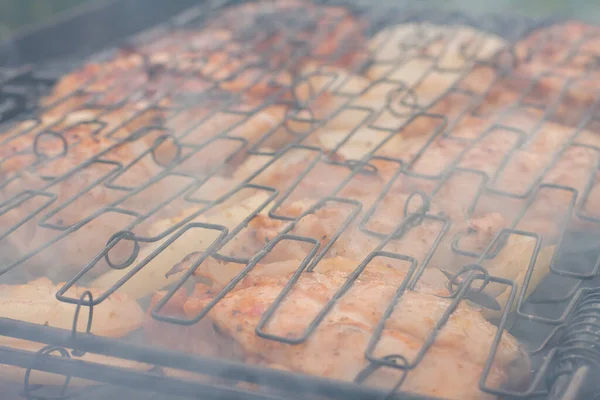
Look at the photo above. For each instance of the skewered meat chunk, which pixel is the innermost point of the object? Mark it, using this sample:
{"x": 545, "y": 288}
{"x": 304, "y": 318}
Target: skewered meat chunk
{"x": 336, "y": 349}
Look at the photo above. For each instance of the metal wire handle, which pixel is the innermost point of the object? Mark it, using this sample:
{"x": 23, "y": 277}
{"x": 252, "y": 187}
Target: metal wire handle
{"x": 29, "y": 389}
{"x": 402, "y": 97}
{"x": 577, "y": 358}
{"x": 372, "y": 368}
{"x": 88, "y": 329}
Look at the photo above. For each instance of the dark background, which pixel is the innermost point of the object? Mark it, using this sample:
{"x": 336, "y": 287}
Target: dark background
{"x": 18, "y": 13}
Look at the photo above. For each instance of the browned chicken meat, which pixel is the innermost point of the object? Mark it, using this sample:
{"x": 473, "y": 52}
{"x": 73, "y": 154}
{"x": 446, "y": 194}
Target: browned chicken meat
{"x": 128, "y": 78}
{"x": 413, "y": 68}
{"x": 450, "y": 368}
{"x": 494, "y": 156}
{"x": 553, "y": 68}
{"x": 63, "y": 175}
{"x": 278, "y": 130}
{"x": 36, "y": 302}
{"x": 326, "y": 34}
{"x": 513, "y": 152}
{"x": 243, "y": 49}
{"x": 198, "y": 98}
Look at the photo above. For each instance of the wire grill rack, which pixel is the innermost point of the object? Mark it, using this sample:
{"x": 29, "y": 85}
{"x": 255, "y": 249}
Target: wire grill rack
{"x": 137, "y": 108}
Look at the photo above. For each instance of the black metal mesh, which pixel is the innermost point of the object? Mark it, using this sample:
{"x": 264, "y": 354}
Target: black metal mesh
{"x": 134, "y": 112}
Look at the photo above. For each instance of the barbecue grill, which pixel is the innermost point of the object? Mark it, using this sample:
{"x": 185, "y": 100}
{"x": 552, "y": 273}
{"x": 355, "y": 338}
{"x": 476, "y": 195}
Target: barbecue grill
{"x": 559, "y": 323}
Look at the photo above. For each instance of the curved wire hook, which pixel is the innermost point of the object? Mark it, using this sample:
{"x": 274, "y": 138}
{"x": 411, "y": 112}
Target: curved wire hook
{"x": 36, "y": 143}
{"x": 398, "y": 359}
{"x": 88, "y": 329}
{"x": 28, "y": 388}
{"x": 159, "y": 141}
{"x": 112, "y": 242}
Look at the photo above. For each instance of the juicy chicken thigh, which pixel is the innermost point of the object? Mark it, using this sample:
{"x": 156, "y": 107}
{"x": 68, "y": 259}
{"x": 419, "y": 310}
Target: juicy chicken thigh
{"x": 336, "y": 349}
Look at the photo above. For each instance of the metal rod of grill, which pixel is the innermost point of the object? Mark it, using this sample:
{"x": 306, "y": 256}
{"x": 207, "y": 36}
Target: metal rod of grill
{"x": 151, "y": 138}
{"x": 577, "y": 359}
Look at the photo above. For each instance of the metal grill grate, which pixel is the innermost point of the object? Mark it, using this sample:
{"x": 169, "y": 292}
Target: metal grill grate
{"x": 144, "y": 149}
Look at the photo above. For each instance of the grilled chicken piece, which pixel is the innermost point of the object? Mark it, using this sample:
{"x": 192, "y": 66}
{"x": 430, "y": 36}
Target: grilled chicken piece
{"x": 129, "y": 77}
{"x": 318, "y": 176}
{"x": 520, "y": 151}
{"x": 202, "y": 60}
{"x": 427, "y": 60}
{"x": 516, "y": 152}
{"x": 334, "y": 228}
{"x": 244, "y": 49}
{"x": 454, "y": 46}
{"x": 95, "y": 160}
{"x": 73, "y": 139}
{"x": 494, "y": 154}
{"x": 554, "y": 67}
{"x": 478, "y": 221}
{"x": 35, "y": 302}
{"x": 95, "y": 78}
{"x": 237, "y": 43}
{"x": 167, "y": 266}
{"x": 218, "y": 57}
{"x": 428, "y": 239}
{"x": 336, "y": 101}
{"x": 336, "y": 349}
{"x": 558, "y": 46}
{"x": 290, "y": 33}
{"x": 73, "y": 181}
{"x": 178, "y": 68}
{"x": 412, "y": 67}
{"x": 223, "y": 134}
{"x": 455, "y": 194}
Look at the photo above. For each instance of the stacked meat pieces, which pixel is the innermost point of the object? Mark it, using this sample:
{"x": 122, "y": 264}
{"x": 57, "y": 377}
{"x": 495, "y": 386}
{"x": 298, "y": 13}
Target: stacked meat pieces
{"x": 194, "y": 98}
{"x": 316, "y": 185}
